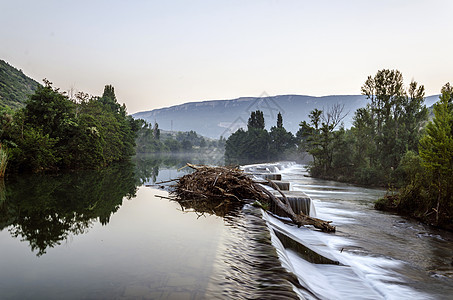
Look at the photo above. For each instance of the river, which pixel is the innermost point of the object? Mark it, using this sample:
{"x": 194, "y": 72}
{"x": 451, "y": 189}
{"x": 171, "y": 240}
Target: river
{"x": 396, "y": 257}
{"x": 110, "y": 235}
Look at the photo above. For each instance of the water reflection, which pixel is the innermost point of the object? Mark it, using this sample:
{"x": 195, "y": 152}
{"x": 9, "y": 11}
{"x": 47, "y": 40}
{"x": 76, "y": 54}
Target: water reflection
{"x": 152, "y": 168}
{"x": 45, "y": 210}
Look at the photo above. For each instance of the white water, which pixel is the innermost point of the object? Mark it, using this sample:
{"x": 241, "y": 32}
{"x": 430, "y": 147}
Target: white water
{"x": 364, "y": 272}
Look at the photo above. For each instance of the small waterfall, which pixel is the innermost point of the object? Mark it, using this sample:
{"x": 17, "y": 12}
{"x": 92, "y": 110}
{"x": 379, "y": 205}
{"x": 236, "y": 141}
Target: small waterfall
{"x": 299, "y": 202}
{"x": 312, "y": 210}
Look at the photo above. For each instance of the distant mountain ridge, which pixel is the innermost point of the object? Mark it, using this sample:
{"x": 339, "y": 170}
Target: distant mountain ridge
{"x": 215, "y": 118}
{"x": 15, "y": 86}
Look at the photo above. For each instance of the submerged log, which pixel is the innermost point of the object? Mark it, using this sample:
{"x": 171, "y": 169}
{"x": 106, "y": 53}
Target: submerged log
{"x": 212, "y": 188}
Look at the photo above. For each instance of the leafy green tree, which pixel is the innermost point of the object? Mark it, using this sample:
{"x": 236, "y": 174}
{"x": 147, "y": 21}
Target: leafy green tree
{"x": 173, "y": 145}
{"x": 257, "y": 147}
{"x": 186, "y": 145}
{"x": 389, "y": 126}
{"x": 256, "y": 120}
{"x": 279, "y": 120}
{"x": 318, "y": 138}
{"x": 156, "y": 131}
{"x": 235, "y": 146}
{"x": 436, "y": 151}
{"x": 54, "y": 132}
{"x": 35, "y": 151}
{"x": 109, "y": 99}
{"x": 50, "y": 111}
{"x": 257, "y": 144}
{"x": 282, "y": 142}
{"x": 426, "y": 179}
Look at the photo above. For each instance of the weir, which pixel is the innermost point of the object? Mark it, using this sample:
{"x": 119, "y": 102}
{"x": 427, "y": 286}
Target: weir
{"x": 299, "y": 201}
{"x": 321, "y": 274}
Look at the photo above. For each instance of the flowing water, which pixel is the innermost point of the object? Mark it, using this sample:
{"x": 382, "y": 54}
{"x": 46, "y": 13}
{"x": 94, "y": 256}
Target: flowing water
{"x": 381, "y": 255}
{"x": 110, "y": 235}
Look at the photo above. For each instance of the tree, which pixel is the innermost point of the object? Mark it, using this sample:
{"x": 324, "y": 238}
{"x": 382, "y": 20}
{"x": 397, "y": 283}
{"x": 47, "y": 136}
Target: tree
{"x": 256, "y": 120}
{"x": 427, "y": 190}
{"x": 54, "y": 132}
{"x": 282, "y": 142}
{"x": 318, "y": 137}
{"x": 109, "y": 99}
{"x": 50, "y": 110}
{"x": 390, "y": 125}
{"x": 436, "y": 151}
{"x": 156, "y": 131}
{"x": 249, "y": 146}
{"x": 279, "y": 120}
{"x": 235, "y": 147}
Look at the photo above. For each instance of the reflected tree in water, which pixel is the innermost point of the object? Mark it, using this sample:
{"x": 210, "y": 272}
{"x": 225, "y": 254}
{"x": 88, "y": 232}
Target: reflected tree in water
{"x": 45, "y": 210}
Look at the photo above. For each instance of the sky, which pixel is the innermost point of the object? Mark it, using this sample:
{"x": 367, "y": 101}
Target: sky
{"x": 162, "y": 53}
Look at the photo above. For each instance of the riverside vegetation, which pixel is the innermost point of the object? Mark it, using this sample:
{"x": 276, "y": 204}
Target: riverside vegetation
{"x": 256, "y": 144}
{"x": 44, "y": 129}
{"x": 55, "y": 132}
{"x": 390, "y": 144}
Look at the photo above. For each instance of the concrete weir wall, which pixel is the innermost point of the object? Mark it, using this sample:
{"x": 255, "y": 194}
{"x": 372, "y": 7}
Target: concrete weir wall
{"x": 299, "y": 201}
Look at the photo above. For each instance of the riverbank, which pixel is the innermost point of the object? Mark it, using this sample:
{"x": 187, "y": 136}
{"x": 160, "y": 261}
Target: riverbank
{"x": 406, "y": 202}
{"x": 391, "y": 203}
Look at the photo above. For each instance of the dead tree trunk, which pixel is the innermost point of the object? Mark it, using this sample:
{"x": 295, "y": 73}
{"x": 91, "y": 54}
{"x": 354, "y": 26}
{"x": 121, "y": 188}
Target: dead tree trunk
{"x": 298, "y": 219}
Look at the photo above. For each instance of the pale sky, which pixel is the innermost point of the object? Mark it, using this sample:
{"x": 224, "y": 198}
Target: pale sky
{"x": 163, "y": 53}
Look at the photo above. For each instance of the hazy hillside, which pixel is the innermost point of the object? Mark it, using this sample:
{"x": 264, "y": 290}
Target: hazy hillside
{"x": 15, "y": 86}
{"x": 222, "y": 117}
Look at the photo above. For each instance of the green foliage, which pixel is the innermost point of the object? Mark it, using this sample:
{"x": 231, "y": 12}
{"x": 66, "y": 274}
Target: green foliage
{"x": 383, "y": 131}
{"x": 151, "y": 140}
{"x": 173, "y": 145}
{"x": 321, "y": 139}
{"x": 410, "y": 169}
{"x": 50, "y": 111}
{"x": 53, "y": 132}
{"x": 235, "y": 146}
{"x": 427, "y": 178}
{"x": 436, "y": 151}
{"x": 256, "y": 120}
{"x": 279, "y": 120}
{"x": 257, "y": 144}
{"x": 35, "y": 151}
{"x": 391, "y": 124}
{"x": 15, "y": 86}
{"x": 282, "y": 142}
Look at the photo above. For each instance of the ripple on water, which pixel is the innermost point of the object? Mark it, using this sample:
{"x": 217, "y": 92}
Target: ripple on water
{"x": 247, "y": 265}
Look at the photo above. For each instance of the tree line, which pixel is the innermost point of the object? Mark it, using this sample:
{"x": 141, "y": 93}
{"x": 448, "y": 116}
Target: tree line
{"x": 391, "y": 143}
{"x": 256, "y": 144}
{"x": 54, "y": 131}
{"x": 150, "y": 139}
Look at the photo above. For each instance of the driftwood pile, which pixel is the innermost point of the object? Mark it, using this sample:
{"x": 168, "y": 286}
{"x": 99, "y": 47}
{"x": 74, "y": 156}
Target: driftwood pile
{"x": 218, "y": 189}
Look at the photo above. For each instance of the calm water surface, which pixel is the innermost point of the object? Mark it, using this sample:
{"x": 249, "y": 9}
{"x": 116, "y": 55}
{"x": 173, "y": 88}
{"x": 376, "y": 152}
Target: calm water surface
{"x": 106, "y": 235}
